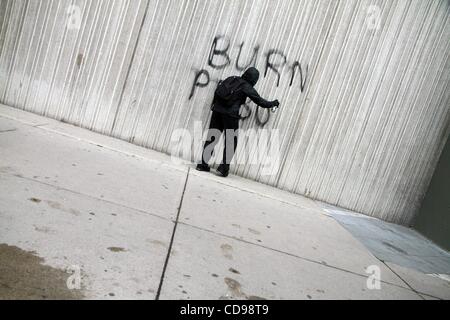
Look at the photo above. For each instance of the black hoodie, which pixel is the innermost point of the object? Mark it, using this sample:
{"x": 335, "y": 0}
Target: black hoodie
{"x": 249, "y": 80}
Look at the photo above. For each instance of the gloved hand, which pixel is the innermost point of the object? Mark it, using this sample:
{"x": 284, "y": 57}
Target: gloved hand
{"x": 276, "y": 105}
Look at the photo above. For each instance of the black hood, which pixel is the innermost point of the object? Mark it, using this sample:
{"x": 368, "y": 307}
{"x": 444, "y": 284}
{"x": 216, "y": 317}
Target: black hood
{"x": 251, "y": 76}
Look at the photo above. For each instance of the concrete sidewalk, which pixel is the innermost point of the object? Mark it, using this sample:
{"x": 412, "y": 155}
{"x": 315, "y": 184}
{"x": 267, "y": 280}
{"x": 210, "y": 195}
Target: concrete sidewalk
{"x": 137, "y": 226}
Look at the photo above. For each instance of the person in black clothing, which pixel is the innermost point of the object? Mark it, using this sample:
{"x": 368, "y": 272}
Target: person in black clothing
{"x": 225, "y": 118}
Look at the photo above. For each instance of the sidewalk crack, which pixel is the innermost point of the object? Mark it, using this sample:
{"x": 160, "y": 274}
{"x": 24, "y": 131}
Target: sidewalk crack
{"x": 169, "y": 251}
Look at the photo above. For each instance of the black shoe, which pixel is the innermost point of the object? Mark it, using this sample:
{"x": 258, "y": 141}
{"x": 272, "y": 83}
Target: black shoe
{"x": 203, "y": 168}
{"x": 223, "y": 172}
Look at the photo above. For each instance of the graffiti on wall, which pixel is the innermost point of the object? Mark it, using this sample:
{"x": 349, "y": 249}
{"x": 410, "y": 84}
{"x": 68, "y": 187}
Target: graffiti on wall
{"x": 220, "y": 57}
{"x": 275, "y": 60}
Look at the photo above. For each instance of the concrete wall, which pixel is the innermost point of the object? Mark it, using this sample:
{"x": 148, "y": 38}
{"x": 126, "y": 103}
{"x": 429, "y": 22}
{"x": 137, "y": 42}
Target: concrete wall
{"x": 434, "y": 217}
{"x": 363, "y": 114}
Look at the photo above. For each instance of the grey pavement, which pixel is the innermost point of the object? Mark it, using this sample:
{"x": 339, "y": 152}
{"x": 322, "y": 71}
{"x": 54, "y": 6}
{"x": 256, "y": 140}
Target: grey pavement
{"x": 135, "y": 225}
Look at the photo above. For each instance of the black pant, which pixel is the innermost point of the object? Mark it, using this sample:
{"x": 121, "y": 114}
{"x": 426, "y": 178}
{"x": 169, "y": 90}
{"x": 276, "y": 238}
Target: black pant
{"x": 221, "y": 123}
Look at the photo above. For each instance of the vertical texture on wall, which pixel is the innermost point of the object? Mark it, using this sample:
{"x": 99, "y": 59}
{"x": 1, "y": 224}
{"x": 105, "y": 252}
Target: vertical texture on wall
{"x": 365, "y": 101}
{"x": 71, "y": 70}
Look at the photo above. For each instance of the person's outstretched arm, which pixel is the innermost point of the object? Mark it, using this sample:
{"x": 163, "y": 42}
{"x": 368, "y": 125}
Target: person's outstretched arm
{"x": 256, "y": 98}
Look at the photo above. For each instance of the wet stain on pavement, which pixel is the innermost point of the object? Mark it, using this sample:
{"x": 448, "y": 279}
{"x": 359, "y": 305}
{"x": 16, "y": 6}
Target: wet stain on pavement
{"x": 254, "y": 231}
{"x": 235, "y": 289}
{"x": 54, "y": 205}
{"x": 45, "y": 230}
{"x": 23, "y": 276}
{"x": 116, "y": 249}
{"x": 158, "y": 243}
{"x": 227, "y": 251}
{"x": 387, "y": 244}
{"x": 234, "y": 271}
{"x": 255, "y": 298}
{"x": 74, "y": 212}
{"x": 6, "y": 169}
{"x": 58, "y": 206}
